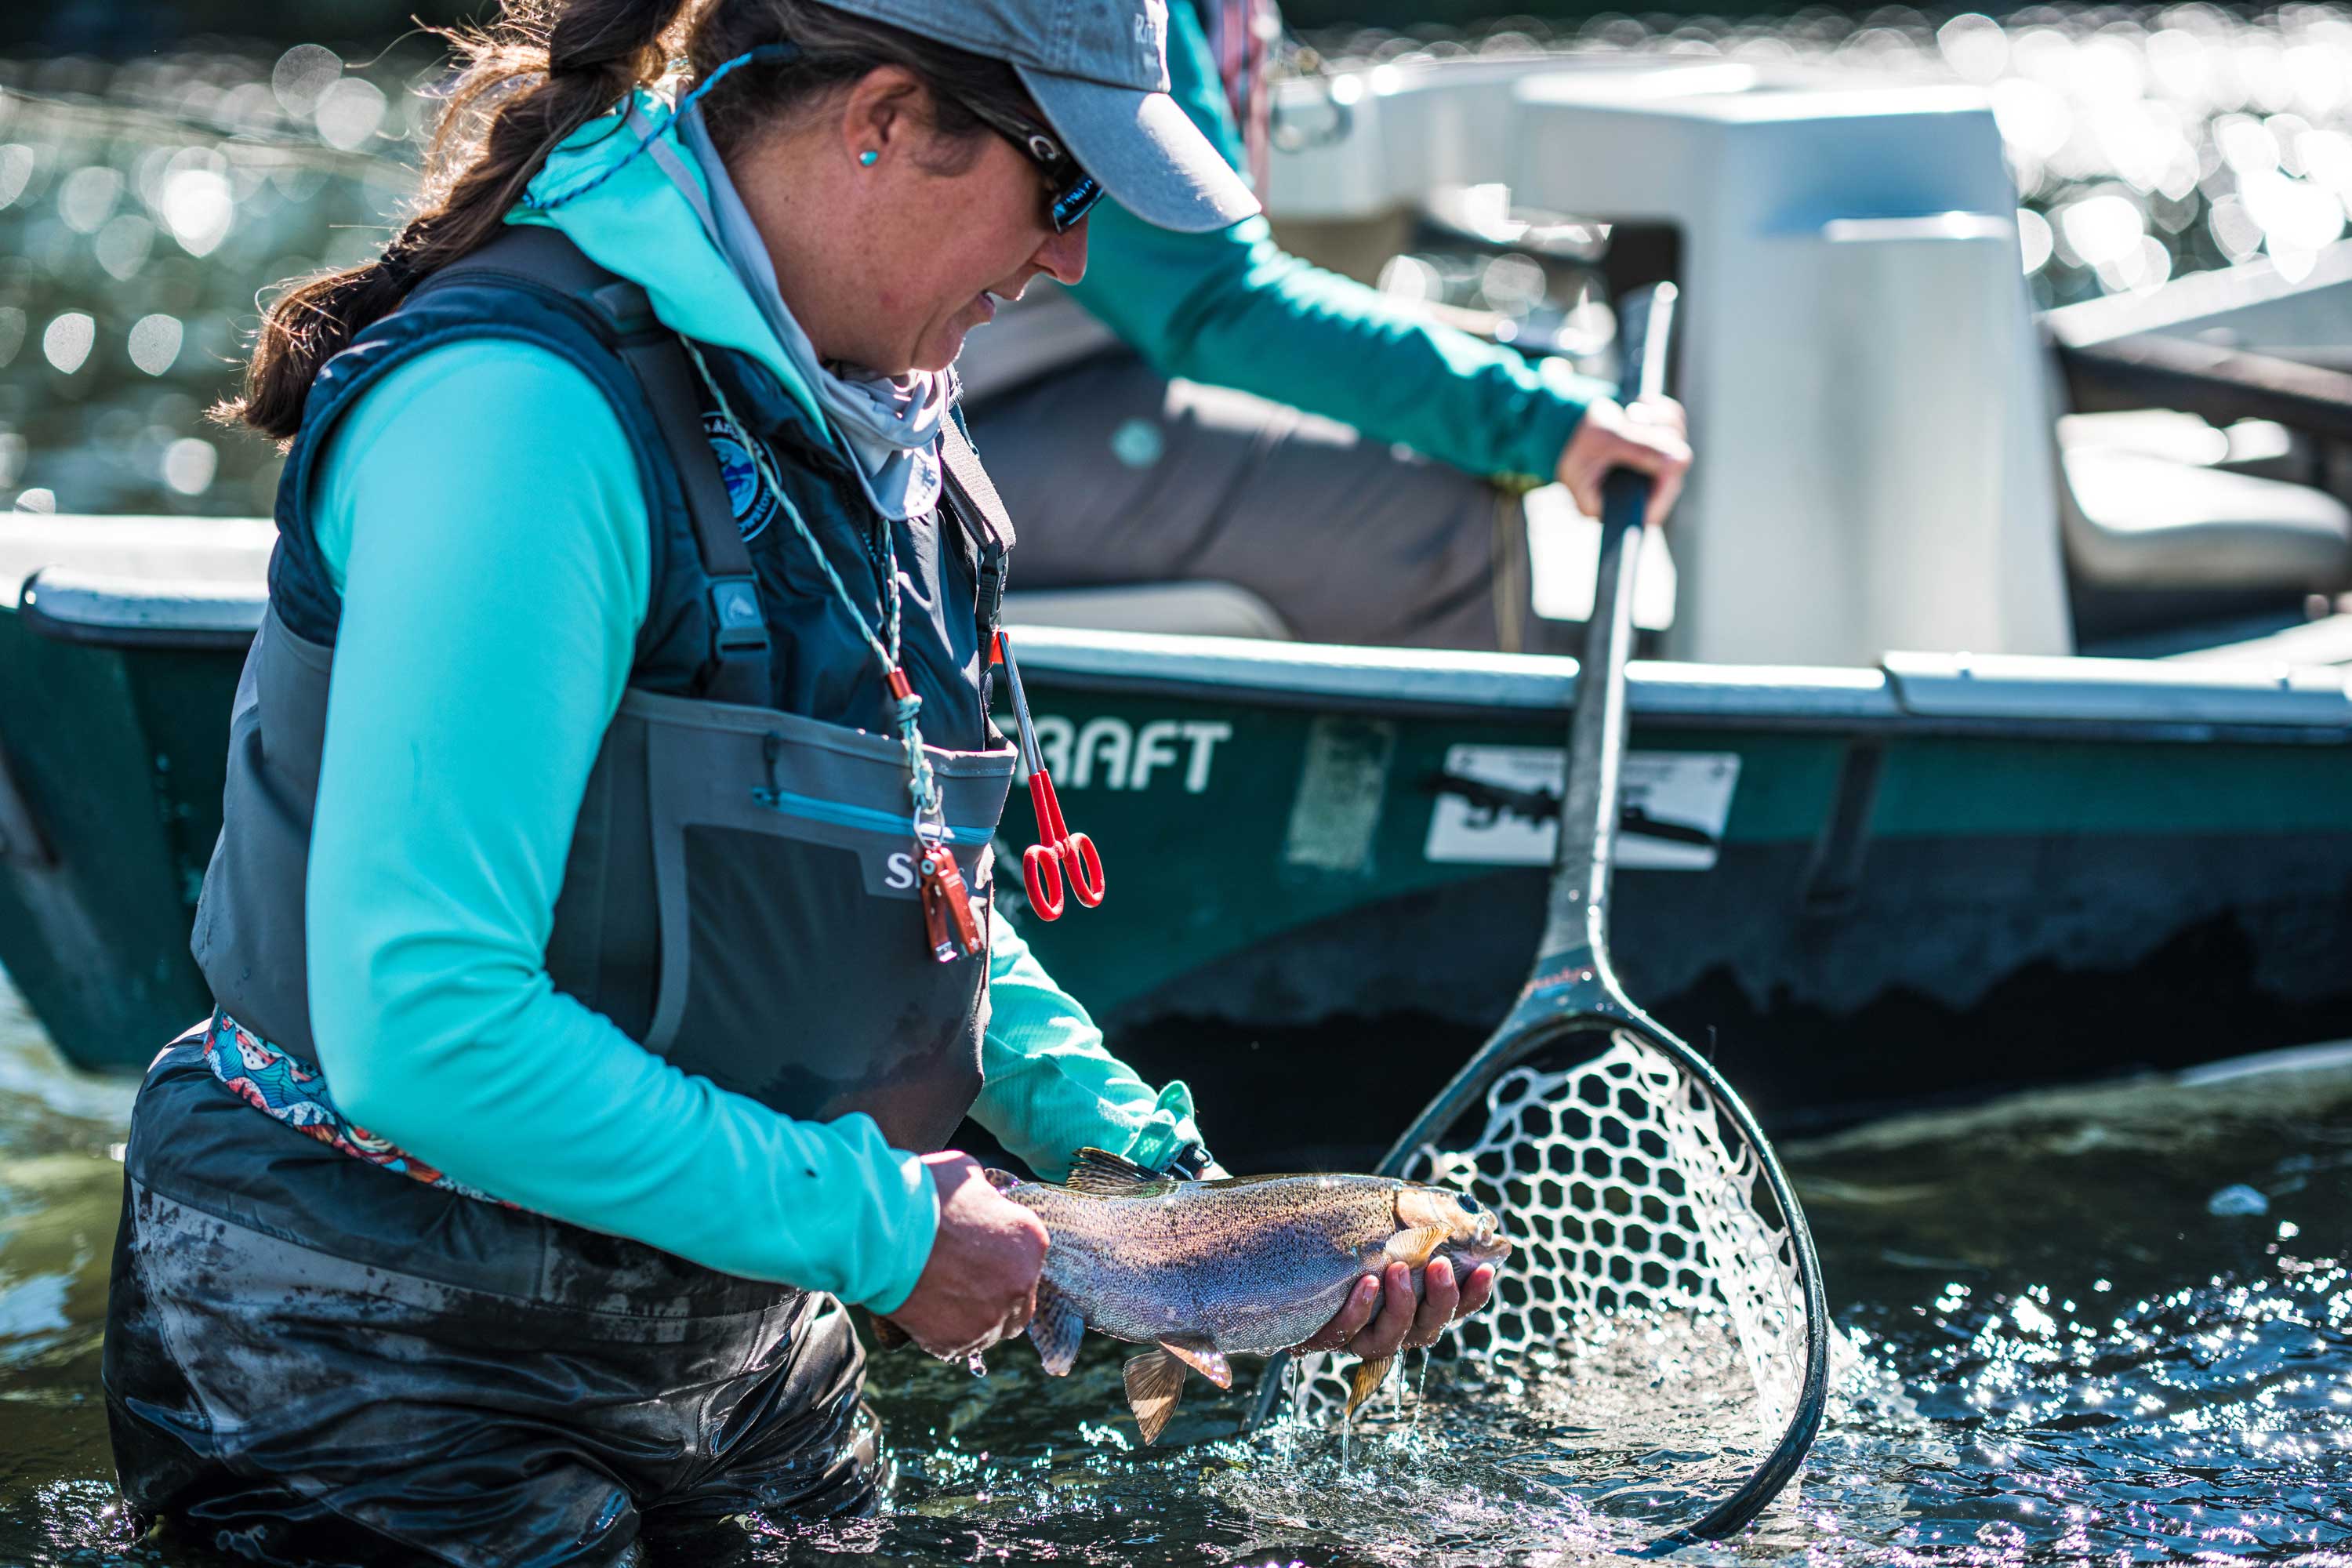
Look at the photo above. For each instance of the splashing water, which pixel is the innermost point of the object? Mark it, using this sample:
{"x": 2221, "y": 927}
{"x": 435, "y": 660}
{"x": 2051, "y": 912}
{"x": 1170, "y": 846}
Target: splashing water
{"x": 2062, "y": 1351}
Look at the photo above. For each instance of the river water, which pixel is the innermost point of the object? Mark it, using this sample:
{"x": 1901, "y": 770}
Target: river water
{"x": 2103, "y": 1324}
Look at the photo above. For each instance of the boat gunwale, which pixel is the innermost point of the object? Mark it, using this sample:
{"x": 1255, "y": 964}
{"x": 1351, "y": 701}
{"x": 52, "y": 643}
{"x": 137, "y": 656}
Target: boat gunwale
{"x": 1909, "y": 696}
{"x": 1656, "y": 714}
{"x": 1811, "y": 700}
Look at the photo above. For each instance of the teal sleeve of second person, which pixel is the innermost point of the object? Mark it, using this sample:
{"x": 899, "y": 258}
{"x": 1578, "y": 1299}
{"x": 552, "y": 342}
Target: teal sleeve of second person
{"x": 483, "y": 507}
{"x": 1232, "y": 309}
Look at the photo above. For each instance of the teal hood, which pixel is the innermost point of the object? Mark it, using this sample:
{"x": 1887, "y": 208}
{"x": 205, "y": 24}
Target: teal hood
{"x": 637, "y": 224}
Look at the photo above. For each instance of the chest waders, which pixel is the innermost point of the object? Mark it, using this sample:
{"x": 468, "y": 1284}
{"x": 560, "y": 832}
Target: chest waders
{"x": 309, "y": 1359}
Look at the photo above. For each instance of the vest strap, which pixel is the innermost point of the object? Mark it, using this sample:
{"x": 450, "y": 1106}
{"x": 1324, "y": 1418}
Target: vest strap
{"x": 986, "y": 524}
{"x": 739, "y": 631}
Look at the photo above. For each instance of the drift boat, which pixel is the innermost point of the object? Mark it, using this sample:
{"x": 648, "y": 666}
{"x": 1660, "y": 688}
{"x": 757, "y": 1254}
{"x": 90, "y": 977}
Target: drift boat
{"x": 1948, "y": 872}
{"x": 1871, "y": 877}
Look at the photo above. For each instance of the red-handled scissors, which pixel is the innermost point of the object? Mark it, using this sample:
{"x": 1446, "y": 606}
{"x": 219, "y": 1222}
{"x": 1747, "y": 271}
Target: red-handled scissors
{"x": 1059, "y": 852}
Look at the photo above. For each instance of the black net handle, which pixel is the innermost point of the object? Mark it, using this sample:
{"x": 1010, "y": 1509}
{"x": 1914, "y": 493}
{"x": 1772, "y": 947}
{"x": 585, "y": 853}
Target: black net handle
{"x": 1573, "y": 989}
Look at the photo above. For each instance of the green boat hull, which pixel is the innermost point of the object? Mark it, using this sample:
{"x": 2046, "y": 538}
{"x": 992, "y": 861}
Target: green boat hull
{"x": 1881, "y": 886}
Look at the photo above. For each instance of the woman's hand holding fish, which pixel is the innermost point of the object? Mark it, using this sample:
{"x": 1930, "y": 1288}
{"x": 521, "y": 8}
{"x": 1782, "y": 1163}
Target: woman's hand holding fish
{"x": 1383, "y": 1316}
{"x": 980, "y": 1285}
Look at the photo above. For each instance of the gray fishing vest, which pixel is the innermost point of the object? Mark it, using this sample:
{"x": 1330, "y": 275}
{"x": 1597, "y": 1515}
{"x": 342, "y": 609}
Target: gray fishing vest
{"x": 740, "y": 893}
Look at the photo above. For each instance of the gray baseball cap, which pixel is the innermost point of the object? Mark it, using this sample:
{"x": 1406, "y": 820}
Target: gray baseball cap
{"x": 1099, "y": 70}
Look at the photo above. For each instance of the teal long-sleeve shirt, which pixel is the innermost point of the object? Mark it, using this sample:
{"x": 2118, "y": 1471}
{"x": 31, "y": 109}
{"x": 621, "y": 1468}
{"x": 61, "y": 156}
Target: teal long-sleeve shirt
{"x": 480, "y": 511}
{"x": 1232, "y": 309}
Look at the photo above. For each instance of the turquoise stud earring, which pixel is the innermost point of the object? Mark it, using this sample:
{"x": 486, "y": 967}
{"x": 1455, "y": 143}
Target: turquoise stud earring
{"x": 869, "y": 157}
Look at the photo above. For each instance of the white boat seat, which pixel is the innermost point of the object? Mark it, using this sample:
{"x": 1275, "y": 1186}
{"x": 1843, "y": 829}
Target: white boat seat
{"x": 223, "y": 558}
{"x": 1205, "y": 609}
{"x": 2135, "y": 518}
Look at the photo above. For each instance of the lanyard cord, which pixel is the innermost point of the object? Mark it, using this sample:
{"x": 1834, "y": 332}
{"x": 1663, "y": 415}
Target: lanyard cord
{"x": 930, "y": 816}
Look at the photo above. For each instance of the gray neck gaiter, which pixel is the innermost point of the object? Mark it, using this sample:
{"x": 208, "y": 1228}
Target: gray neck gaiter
{"x": 891, "y": 424}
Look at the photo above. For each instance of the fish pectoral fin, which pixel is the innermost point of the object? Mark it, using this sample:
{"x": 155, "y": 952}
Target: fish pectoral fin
{"x": 1365, "y": 1377}
{"x": 1055, "y": 1330}
{"x": 1105, "y": 1174}
{"x": 1201, "y": 1353}
{"x": 1002, "y": 1181}
{"x": 1155, "y": 1382}
{"x": 1416, "y": 1246}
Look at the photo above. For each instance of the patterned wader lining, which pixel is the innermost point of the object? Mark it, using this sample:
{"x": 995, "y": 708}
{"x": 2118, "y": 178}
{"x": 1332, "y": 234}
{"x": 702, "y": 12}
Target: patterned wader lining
{"x": 291, "y": 1091}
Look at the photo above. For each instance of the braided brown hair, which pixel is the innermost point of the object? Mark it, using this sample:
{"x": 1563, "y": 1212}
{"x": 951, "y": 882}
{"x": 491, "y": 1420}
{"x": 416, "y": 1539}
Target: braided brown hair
{"x": 543, "y": 71}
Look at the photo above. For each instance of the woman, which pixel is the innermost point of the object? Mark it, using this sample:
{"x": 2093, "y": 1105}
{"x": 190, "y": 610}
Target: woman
{"x": 601, "y": 928}
{"x": 1220, "y": 410}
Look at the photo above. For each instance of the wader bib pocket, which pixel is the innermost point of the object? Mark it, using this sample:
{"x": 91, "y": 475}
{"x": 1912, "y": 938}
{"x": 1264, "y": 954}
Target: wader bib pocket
{"x": 793, "y": 965}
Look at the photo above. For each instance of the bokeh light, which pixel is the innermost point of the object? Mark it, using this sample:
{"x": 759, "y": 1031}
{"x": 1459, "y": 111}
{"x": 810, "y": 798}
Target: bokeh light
{"x": 2144, "y": 141}
{"x": 155, "y": 342}
{"x": 197, "y": 207}
{"x": 189, "y": 465}
{"x": 66, "y": 341}
{"x": 349, "y": 113}
{"x": 145, "y": 204}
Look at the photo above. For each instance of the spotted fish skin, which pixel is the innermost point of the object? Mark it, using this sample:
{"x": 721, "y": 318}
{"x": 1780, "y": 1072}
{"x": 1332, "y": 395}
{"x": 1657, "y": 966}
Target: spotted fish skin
{"x": 1202, "y": 1268}
{"x": 1254, "y": 1264}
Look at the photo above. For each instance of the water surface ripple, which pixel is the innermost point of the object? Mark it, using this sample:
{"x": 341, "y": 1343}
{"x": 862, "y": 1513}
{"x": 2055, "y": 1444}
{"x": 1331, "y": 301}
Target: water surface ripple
{"x": 2107, "y": 1324}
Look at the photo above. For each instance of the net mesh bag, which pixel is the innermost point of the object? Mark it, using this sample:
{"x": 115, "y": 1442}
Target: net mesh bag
{"x": 1627, "y": 1192}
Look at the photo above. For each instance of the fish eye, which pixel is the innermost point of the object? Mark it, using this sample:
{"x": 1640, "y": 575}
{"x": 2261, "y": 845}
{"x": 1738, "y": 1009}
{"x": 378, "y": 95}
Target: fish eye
{"x": 1469, "y": 1204}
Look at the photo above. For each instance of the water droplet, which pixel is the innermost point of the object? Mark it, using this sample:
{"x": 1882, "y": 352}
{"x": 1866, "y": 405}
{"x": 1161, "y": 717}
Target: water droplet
{"x": 2237, "y": 1199}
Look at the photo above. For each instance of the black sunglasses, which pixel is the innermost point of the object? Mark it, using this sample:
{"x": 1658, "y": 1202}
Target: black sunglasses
{"x": 1074, "y": 191}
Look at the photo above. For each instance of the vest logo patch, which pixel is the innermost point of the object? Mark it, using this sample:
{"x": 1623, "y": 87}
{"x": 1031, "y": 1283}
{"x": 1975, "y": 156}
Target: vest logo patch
{"x": 755, "y": 507}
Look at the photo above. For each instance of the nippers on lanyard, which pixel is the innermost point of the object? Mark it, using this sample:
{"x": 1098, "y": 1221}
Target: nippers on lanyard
{"x": 1059, "y": 853}
{"x": 950, "y": 926}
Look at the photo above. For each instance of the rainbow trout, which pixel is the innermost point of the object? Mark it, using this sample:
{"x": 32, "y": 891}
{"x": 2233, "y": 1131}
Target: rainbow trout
{"x": 1201, "y": 1269}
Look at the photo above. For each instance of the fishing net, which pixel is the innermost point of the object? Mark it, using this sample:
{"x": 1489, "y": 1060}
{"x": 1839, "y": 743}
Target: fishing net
{"x": 1632, "y": 1196}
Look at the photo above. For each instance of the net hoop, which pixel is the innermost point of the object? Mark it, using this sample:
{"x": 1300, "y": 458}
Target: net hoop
{"x": 1634, "y": 1179}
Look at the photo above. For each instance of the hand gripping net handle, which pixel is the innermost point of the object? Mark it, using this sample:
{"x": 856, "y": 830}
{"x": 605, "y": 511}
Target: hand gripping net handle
{"x": 1636, "y": 1179}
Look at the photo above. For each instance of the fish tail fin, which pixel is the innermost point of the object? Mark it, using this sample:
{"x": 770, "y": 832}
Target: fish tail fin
{"x": 1055, "y": 1330}
{"x": 1365, "y": 1378}
{"x": 1155, "y": 1382}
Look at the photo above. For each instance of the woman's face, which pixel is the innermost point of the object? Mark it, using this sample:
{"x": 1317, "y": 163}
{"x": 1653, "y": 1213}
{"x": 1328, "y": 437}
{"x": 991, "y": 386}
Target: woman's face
{"x": 887, "y": 264}
{"x": 967, "y": 240}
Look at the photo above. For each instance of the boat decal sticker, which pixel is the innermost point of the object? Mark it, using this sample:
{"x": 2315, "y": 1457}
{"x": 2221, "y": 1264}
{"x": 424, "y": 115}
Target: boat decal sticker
{"x": 1499, "y": 805}
{"x": 1110, "y": 753}
{"x": 1338, "y": 807}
